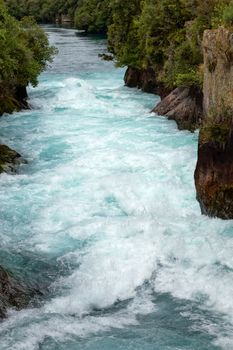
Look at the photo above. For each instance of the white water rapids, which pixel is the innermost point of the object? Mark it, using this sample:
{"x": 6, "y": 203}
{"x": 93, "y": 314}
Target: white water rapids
{"x": 105, "y": 212}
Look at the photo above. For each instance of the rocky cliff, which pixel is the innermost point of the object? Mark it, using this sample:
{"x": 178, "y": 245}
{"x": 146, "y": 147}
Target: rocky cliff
{"x": 184, "y": 105}
{"x": 214, "y": 170}
{"x": 218, "y": 70}
{"x": 13, "y": 99}
{"x": 145, "y": 80}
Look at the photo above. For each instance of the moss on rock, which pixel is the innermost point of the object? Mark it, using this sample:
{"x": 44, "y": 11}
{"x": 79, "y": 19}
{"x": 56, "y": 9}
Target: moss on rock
{"x": 216, "y": 131}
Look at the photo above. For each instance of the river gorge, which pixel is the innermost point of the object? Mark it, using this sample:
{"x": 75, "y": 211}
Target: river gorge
{"x": 103, "y": 218}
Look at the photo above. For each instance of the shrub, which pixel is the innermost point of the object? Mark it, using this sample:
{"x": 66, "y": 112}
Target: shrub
{"x": 228, "y": 15}
{"x": 24, "y": 53}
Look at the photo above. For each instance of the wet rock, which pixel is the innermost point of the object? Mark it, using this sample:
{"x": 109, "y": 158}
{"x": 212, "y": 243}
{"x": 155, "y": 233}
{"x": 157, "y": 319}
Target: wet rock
{"x": 106, "y": 57}
{"x": 10, "y": 160}
{"x": 13, "y": 294}
{"x": 184, "y": 105}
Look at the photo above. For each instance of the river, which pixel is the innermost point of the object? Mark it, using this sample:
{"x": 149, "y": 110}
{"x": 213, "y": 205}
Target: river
{"x": 104, "y": 218}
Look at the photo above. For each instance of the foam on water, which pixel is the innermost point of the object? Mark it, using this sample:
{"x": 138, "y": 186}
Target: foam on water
{"x": 107, "y": 204}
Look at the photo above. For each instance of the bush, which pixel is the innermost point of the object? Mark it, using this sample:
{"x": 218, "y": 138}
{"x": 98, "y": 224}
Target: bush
{"x": 24, "y": 53}
{"x": 92, "y": 16}
{"x": 228, "y": 15}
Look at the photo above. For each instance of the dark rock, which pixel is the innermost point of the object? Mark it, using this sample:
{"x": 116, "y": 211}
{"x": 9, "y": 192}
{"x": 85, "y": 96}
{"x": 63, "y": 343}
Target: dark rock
{"x": 145, "y": 80}
{"x": 9, "y": 160}
{"x": 21, "y": 96}
{"x": 106, "y": 57}
{"x": 13, "y": 294}
{"x": 214, "y": 172}
{"x": 13, "y": 99}
{"x": 132, "y": 77}
{"x": 184, "y": 105}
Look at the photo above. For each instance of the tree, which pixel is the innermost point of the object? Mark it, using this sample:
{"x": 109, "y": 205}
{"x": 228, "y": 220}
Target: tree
{"x": 93, "y": 16}
{"x": 24, "y": 52}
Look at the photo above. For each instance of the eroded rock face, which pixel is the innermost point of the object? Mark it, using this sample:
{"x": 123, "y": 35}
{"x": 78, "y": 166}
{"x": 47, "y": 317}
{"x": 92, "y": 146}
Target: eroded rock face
{"x": 145, "y": 80}
{"x": 218, "y": 69}
{"x": 9, "y": 159}
{"x": 214, "y": 178}
{"x": 214, "y": 170}
{"x": 184, "y": 105}
{"x": 12, "y": 293}
{"x": 132, "y": 77}
{"x": 13, "y": 99}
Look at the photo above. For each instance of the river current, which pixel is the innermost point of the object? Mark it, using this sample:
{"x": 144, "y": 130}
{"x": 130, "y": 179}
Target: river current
{"x": 104, "y": 218}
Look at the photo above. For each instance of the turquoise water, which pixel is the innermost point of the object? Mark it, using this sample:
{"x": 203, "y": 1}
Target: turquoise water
{"x": 103, "y": 218}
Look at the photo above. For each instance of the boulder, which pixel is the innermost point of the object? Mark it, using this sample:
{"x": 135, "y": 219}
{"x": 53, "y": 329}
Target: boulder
{"x": 184, "y": 105}
{"x": 9, "y": 160}
{"x": 13, "y": 294}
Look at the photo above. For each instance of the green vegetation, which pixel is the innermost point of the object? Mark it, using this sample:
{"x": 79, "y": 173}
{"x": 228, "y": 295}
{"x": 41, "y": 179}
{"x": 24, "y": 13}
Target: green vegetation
{"x": 89, "y": 15}
{"x": 217, "y": 126}
{"x": 41, "y": 10}
{"x": 24, "y": 52}
{"x": 161, "y": 35}
{"x": 217, "y": 133}
{"x": 165, "y": 35}
{"x": 227, "y": 17}
{"x": 93, "y": 16}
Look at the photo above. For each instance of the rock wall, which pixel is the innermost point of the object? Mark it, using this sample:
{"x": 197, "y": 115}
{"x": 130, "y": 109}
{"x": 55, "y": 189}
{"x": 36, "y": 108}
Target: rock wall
{"x": 13, "y": 99}
{"x": 184, "y": 105}
{"x": 214, "y": 170}
{"x": 145, "y": 80}
{"x": 218, "y": 69}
